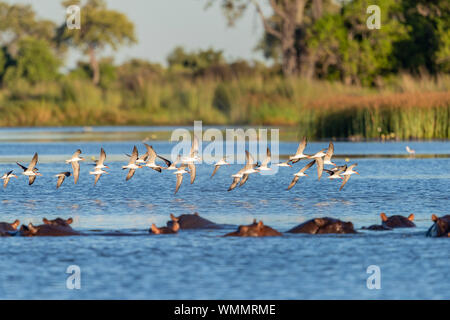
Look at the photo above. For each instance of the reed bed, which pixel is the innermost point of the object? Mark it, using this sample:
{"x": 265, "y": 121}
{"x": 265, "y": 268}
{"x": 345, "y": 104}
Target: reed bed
{"x": 401, "y": 108}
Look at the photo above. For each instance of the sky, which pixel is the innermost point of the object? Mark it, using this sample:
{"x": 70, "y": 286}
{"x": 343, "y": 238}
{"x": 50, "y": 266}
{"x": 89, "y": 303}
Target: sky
{"x": 162, "y": 25}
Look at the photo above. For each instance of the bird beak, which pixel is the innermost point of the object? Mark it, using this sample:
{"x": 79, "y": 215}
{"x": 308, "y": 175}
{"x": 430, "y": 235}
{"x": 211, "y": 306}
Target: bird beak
{"x": 306, "y": 174}
{"x": 356, "y": 172}
{"x": 106, "y": 167}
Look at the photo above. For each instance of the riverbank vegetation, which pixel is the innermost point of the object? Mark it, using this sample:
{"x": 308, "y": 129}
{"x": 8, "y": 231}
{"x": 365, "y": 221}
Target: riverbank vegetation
{"x": 365, "y": 86}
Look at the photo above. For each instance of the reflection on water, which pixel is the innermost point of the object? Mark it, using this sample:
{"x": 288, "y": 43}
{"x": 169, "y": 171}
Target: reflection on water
{"x": 204, "y": 265}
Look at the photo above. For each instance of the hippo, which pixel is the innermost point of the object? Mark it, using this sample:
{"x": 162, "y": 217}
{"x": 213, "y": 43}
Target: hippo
{"x": 389, "y": 223}
{"x": 8, "y": 229}
{"x": 193, "y": 221}
{"x": 323, "y": 225}
{"x": 53, "y": 228}
{"x": 173, "y": 228}
{"x": 256, "y": 229}
{"x": 440, "y": 228}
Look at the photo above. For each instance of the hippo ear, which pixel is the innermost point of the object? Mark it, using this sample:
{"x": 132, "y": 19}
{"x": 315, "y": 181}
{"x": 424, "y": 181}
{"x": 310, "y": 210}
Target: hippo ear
{"x": 411, "y": 217}
{"x": 260, "y": 224}
{"x": 15, "y": 224}
{"x": 173, "y": 217}
{"x": 319, "y": 222}
{"x": 155, "y": 229}
{"x": 434, "y": 218}
{"x": 383, "y": 216}
{"x": 46, "y": 221}
{"x": 69, "y": 221}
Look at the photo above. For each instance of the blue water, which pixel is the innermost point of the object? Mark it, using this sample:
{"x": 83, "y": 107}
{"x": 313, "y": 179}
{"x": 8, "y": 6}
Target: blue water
{"x": 204, "y": 265}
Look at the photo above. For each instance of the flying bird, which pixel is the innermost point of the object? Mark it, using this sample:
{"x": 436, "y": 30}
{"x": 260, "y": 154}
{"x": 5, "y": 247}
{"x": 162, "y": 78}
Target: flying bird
{"x": 99, "y": 166}
{"x": 61, "y": 176}
{"x": 346, "y": 175}
{"x": 6, "y": 177}
{"x": 218, "y": 164}
{"x": 300, "y": 174}
{"x": 329, "y": 154}
{"x": 75, "y": 165}
{"x": 132, "y": 164}
{"x": 179, "y": 173}
{"x": 31, "y": 171}
{"x": 263, "y": 166}
{"x": 299, "y": 154}
{"x": 410, "y": 151}
{"x": 242, "y": 175}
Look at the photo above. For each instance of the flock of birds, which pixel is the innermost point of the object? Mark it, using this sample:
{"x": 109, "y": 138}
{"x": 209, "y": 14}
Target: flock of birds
{"x": 186, "y": 164}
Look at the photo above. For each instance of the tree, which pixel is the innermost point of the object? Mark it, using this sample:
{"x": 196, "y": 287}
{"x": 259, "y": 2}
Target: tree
{"x": 19, "y": 21}
{"x": 34, "y": 62}
{"x": 100, "y": 28}
{"x": 288, "y": 25}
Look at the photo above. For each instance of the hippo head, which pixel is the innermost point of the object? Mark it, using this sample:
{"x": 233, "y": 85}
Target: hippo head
{"x": 175, "y": 224}
{"x": 441, "y": 226}
{"x": 252, "y": 230}
{"x": 397, "y": 221}
{"x": 328, "y": 225}
{"x": 5, "y": 226}
{"x": 58, "y": 222}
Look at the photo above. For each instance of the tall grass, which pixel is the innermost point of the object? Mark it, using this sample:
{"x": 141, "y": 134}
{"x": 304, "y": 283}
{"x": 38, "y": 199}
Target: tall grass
{"x": 402, "y": 108}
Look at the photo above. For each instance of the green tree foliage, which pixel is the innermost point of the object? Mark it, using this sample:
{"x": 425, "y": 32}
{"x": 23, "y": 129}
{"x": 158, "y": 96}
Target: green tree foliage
{"x": 100, "y": 28}
{"x": 34, "y": 62}
{"x": 195, "y": 61}
{"x": 347, "y": 50}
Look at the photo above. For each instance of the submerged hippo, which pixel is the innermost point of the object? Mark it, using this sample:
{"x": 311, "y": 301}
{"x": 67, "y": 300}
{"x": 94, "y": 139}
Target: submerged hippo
{"x": 324, "y": 225}
{"x": 173, "y": 228}
{"x": 396, "y": 221}
{"x": 440, "y": 228}
{"x": 53, "y": 228}
{"x": 193, "y": 221}
{"x": 256, "y": 229}
{"x": 8, "y": 229}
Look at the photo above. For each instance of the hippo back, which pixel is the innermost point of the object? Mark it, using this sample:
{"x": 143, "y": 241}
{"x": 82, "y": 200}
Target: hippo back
{"x": 323, "y": 226}
{"x": 194, "y": 221}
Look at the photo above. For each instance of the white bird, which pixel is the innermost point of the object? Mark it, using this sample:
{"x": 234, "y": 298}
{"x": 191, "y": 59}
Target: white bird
{"x": 329, "y": 154}
{"x": 218, "y": 164}
{"x": 172, "y": 165}
{"x": 299, "y": 154}
{"x": 410, "y": 151}
{"x": 6, "y": 177}
{"x": 99, "y": 164}
{"x": 61, "y": 176}
{"x": 242, "y": 175}
{"x": 31, "y": 171}
{"x": 151, "y": 159}
{"x": 284, "y": 164}
{"x": 263, "y": 166}
{"x": 300, "y": 174}
{"x": 75, "y": 165}
{"x": 132, "y": 164}
{"x": 347, "y": 173}
{"x": 193, "y": 155}
{"x": 319, "y": 162}
{"x": 180, "y": 171}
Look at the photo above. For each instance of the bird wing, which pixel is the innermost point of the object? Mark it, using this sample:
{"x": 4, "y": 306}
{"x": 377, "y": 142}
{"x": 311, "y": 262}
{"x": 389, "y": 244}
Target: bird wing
{"x": 76, "y": 154}
{"x": 293, "y": 182}
{"x": 97, "y": 176}
{"x": 31, "y": 180}
{"x": 249, "y": 161}
{"x": 102, "y": 157}
{"x": 243, "y": 180}
{"x": 352, "y": 166}
{"x": 215, "y": 170}
{"x": 167, "y": 162}
{"x": 194, "y": 148}
{"x": 76, "y": 171}
{"x": 60, "y": 181}
{"x": 179, "y": 180}
{"x": 5, "y": 182}
{"x": 319, "y": 162}
{"x": 151, "y": 153}
{"x": 134, "y": 156}
{"x": 33, "y": 162}
{"x": 309, "y": 165}
{"x": 346, "y": 178}
{"x": 191, "y": 167}
{"x": 130, "y": 174}
{"x": 267, "y": 159}
{"x": 234, "y": 183}
{"x": 23, "y": 168}
{"x": 329, "y": 152}
{"x": 301, "y": 146}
